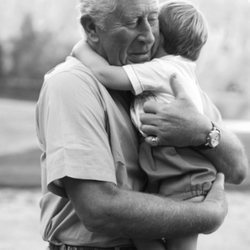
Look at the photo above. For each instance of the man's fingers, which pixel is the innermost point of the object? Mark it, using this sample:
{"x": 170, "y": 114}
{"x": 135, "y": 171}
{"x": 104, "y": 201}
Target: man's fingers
{"x": 150, "y": 107}
{"x": 149, "y": 130}
{"x": 148, "y": 119}
{"x": 217, "y": 190}
{"x": 216, "y": 197}
{"x": 177, "y": 88}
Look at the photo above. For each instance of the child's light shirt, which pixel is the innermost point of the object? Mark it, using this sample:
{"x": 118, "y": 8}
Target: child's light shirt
{"x": 153, "y": 78}
{"x": 180, "y": 173}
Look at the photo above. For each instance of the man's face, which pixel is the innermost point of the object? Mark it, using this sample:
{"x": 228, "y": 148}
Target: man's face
{"x": 130, "y": 32}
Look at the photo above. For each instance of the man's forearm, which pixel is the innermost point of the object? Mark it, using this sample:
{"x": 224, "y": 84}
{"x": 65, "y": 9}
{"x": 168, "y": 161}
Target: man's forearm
{"x": 103, "y": 207}
{"x": 229, "y": 157}
{"x": 151, "y": 217}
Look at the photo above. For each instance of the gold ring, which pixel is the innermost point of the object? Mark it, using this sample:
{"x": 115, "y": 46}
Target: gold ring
{"x": 155, "y": 140}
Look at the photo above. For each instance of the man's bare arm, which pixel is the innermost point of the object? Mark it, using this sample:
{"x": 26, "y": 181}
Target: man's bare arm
{"x": 229, "y": 157}
{"x": 103, "y": 207}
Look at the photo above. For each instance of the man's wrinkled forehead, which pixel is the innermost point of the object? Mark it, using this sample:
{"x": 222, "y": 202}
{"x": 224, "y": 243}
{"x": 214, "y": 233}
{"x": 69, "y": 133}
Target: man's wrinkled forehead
{"x": 138, "y": 7}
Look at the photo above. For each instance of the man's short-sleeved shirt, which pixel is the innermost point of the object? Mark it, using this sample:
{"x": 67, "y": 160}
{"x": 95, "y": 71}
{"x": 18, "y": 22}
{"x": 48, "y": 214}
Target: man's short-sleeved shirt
{"x": 84, "y": 132}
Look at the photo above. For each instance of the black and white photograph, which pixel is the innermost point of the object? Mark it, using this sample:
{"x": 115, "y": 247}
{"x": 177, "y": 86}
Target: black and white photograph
{"x": 124, "y": 124}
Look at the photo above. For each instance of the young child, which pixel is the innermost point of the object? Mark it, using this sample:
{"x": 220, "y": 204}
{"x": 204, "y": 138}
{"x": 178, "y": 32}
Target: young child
{"x": 180, "y": 173}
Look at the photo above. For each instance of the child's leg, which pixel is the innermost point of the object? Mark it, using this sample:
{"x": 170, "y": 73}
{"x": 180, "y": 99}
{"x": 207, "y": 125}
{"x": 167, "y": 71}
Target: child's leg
{"x": 149, "y": 245}
{"x": 182, "y": 243}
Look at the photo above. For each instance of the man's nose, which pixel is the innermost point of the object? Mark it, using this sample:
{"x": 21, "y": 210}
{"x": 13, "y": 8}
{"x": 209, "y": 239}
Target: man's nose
{"x": 146, "y": 32}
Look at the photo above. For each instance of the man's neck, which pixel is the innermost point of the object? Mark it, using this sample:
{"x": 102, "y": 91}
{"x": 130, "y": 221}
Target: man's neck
{"x": 160, "y": 52}
{"x": 158, "y": 48}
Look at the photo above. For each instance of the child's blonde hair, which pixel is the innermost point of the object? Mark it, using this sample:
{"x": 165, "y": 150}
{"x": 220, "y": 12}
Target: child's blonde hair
{"x": 184, "y": 29}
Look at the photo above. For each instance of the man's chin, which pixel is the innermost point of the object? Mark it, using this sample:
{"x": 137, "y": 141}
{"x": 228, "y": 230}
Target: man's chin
{"x": 138, "y": 58}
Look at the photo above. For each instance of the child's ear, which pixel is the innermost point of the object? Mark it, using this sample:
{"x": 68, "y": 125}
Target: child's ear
{"x": 90, "y": 28}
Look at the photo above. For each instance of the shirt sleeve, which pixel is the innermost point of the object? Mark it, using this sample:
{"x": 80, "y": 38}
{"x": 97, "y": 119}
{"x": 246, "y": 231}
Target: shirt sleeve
{"x": 77, "y": 143}
{"x": 150, "y": 76}
{"x": 133, "y": 78}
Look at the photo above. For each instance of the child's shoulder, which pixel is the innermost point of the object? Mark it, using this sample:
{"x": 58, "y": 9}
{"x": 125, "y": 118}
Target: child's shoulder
{"x": 173, "y": 58}
{"x": 173, "y": 62}
{"x": 177, "y": 60}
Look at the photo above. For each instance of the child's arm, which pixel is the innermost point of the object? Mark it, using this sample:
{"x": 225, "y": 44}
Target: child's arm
{"x": 113, "y": 77}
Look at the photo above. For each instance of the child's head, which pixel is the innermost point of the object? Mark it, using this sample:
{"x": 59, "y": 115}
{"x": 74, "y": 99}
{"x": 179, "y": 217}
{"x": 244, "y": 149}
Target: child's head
{"x": 183, "y": 28}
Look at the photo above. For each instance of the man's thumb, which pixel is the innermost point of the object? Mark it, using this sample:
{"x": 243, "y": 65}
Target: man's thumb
{"x": 177, "y": 88}
{"x": 220, "y": 180}
{"x": 217, "y": 190}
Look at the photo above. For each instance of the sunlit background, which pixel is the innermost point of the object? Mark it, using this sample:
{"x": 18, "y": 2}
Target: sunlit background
{"x": 35, "y": 36}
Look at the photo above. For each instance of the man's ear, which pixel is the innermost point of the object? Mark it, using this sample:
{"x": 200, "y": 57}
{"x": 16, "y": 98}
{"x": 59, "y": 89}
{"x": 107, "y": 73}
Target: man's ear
{"x": 90, "y": 28}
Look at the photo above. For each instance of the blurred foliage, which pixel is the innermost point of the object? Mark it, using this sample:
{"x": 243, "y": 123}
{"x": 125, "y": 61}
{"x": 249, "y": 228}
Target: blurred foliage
{"x": 31, "y": 55}
{"x": 35, "y": 52}
{"x": 28, "y": 51}
{"x": 1, "y": 60}
{"x": 223, "y": 68}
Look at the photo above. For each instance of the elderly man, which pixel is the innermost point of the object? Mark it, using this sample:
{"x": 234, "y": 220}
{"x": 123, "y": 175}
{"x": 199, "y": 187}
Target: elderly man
{"x": 92, "y": 185}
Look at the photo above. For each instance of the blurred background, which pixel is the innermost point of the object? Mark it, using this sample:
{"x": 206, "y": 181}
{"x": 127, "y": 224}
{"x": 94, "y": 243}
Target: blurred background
{"x": 35, "y": 36}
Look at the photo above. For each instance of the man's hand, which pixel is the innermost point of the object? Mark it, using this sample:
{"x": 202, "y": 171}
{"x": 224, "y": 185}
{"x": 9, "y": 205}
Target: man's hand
{"x": 177, "y": 123}
{"x": 216, "y": 202}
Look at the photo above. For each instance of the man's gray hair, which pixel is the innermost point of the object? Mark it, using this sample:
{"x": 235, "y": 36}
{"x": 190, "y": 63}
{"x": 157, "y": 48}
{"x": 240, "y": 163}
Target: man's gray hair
{"x": 98, "y": 10}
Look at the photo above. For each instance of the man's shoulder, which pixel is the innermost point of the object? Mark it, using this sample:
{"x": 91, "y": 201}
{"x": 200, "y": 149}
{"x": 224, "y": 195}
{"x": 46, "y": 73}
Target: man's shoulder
{"x": 71, "y": 75}
{"x": 71, "y": 66}
{"x": 71, "y": 80}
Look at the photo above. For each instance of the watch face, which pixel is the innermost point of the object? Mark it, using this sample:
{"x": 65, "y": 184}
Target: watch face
{"x": 214, "y": 138}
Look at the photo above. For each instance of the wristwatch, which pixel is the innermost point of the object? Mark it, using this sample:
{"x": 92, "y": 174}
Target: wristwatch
{"x": 212, "y": 139}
